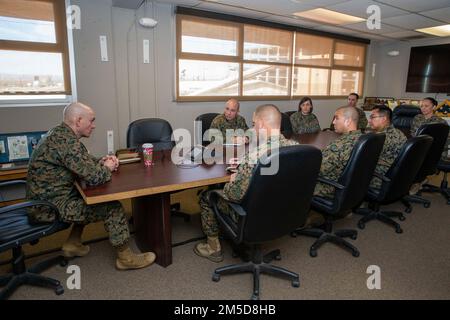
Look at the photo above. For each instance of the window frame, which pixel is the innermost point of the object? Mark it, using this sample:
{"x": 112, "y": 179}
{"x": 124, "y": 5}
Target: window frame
{"x": 239, "y": 58}
{"x": 63, "y": 46}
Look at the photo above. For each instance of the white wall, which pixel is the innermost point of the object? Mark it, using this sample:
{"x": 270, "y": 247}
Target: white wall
{"x": 124, "y": 88}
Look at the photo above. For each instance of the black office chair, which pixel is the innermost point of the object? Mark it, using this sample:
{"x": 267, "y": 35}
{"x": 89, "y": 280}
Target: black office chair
{"x": 267, "y": 212}
{"x": 205, "y": 119}
{"x": 350, "y": 190}
{"x": 443, "y": 166}
{"x": 159, "y": 133}
{"x": 439, "y": 133}
{"x": 16, "y": 229}
{"x": 290, "y": 113}
{"x": 286, "y": 126}
{"x": 395, "y": 183}
{"x": 402, "y": 117}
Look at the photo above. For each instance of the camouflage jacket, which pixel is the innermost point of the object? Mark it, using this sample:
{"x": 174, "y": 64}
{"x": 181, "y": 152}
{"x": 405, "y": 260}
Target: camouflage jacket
{"x": 57, "y": 161}
{"x": 362, "y": 122}
{"x": 334, "y": 159}
{"x": 420, "y": 120}
{"x": 222, "y": 124}
{"x": 304, "y": 123}
{"x": 235, "y": 190}
{"x": 391, "y": 149}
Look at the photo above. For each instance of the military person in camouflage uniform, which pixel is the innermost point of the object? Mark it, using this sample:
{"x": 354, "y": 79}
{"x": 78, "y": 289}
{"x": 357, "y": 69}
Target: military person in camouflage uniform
{"x": 229, "y": 120}
{"x": 352, "y": 101}
{"x": 268, "y": 118}
{"x": 58, "y": 160}
{"x": 304, "y": 121}
{"x": 380, "y": 121}
{"x": 337, "y": 153}
{"x": 427, "y": 116}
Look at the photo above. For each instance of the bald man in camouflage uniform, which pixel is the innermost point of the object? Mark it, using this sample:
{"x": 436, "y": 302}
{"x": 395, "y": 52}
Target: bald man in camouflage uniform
{"x": 58, "y": 160}
{"x": 304, "y": 121}
{"x": 266, "y": 117}
{"x": 229, "y": 120}
{"x": 380, "y": 121}
{"x": 335, "y": 156}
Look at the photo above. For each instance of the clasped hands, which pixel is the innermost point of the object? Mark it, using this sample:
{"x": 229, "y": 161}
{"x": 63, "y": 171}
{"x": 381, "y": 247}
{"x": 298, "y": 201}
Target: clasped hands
{"x": 111, "y": 162}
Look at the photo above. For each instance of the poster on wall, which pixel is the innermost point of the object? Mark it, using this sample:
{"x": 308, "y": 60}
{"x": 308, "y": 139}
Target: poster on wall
{"x": 18, "y": 148}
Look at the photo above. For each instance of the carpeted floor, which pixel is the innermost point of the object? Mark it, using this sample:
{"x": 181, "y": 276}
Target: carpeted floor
{"x": 414, "y": 265}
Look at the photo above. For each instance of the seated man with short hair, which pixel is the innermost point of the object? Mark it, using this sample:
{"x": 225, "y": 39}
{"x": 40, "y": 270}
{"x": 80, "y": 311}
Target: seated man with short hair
{"x": 229, "y": 120}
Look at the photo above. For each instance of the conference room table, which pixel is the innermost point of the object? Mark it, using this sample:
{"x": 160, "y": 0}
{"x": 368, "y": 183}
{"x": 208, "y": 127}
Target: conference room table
{"x": 149, "y": 188}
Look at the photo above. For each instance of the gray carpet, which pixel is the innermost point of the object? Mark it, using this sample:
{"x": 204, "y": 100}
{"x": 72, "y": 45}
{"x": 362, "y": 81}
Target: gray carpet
{"x": 414, "y": 265}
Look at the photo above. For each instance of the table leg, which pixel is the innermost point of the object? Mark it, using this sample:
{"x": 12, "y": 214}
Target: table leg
{"x": 153, "y": 231}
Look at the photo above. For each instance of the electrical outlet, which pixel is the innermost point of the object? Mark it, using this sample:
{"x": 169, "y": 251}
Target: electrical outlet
{"x": 110, "y": 140}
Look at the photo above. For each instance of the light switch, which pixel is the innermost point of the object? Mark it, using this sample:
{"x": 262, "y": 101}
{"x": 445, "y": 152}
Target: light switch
{"x": 146, "y": 47}
{"x": 103, "y": 48}
{"x": 110, "y": 140}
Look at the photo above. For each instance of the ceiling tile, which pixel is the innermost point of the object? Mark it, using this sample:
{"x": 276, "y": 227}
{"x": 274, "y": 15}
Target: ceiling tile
{"x": 270, "y": 6}
{"x": 127, "y": 4}
{"x": 361, "y": 26}
{"x": 183, "y": 3}
{"x": 417, "y": 5}
{"x": 291, "y": 21}
{"x": 410, "y": 21}
{"x": 231, "y": 10}
{"x": 319, "y": 3}
{"x": 359, "y": 8}
{"x": 403, "y": 34}
{"x": 439, "y": 14}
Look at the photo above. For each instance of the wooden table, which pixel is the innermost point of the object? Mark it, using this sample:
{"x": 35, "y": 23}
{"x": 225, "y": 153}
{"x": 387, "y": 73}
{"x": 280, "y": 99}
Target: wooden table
{"x": 150, "y": 189}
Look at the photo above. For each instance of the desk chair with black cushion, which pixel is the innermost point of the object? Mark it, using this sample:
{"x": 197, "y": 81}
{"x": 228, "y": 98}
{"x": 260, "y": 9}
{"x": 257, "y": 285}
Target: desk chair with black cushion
{"x": 402, "y": 117}
{"x": 267, "y": 212}
{"x": 205, "y": 119}
{"x": 159, "y": 133}
{"x": 290, "y": 113}
{"x": 350, "y": 190}
{"x": 395, "y": 183}
{"x": 16, "y": 230}
{"x": 443, "y": 166}
{"x": 439, "y": 133}
{"x": 286, "y": 126}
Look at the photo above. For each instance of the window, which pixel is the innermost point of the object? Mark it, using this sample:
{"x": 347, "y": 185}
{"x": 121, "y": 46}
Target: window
{"x": 34, "y": 58}
{"x": 217, "y": 59}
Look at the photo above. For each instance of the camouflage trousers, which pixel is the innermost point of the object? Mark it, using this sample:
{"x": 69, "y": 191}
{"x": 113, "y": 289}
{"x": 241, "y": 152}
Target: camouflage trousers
{"x": 209, "y": 222}
{"x": 323, "y": 190}
{"x": 112, "y": 213}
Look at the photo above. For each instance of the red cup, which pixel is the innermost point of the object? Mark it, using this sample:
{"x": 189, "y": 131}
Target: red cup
{"x": 147, "y": 152}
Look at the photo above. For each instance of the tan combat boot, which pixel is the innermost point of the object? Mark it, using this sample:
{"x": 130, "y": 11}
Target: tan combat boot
{"x": 74, "y": 249}
{"x": 127, "y": 259}
{"x": 210, "y": 250}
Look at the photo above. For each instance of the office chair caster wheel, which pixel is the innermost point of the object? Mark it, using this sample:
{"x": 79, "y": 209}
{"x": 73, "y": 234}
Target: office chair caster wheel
{"x": 426, "y": 204}
{"x": 353, "y": 236}
{"x": 401, "y": 218}
{"x": 296, "y": 283}
{"x": 355, "y": 254}
{"x": 216, "y": 277}
{"x": 361, "y": 225}
{"x": 59, "y": 290}
{"x": 313, "y": 253}
{"x": 277, "y": 257}
{"x": 399, "y": 230}
{"x": 255, "y": 297}
{"x": 294, "y": 234}
{"x": 408, "y": 210}
{"x": 63, "y": 262}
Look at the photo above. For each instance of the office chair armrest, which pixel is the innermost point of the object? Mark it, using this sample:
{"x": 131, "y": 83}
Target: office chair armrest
{"x": 383, "y": 178}
{"x": 12, "y": 183}
{"x": 29, "y": 204}
{"x": 234, "y": 205}
{"x": 331, "y": 183}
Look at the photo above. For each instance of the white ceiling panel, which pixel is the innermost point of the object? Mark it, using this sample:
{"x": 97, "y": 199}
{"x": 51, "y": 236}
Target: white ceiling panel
{"x": 439, "y": 14}
{"x": 291, "y": 21}
{"x": 417, "y": 5}
{"x": 359, "y": 8}
{"x": 127, "y": 4}
{"x": 185, "y": 3}
{"x": 270, "y": 6}
{"x": 231, "y": 10}
{"x": 410, "y": 21}
{"x": 403, "y": 34}
{"x": 361, "y": 26}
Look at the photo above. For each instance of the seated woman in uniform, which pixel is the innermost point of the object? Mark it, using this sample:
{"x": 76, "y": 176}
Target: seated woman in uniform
{"x": 304, "y": 121}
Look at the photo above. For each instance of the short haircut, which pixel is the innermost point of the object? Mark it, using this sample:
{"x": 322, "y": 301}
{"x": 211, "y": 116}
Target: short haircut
{"x": 354, "y": 94}
{"x": 432, "y": 100}
{"x": 270, "y": 114}
{"x": 304, "y": 99}
{"x": 350, "y": 113}
{"x": 384, "y": 110}
{"x": 235, "y": 102}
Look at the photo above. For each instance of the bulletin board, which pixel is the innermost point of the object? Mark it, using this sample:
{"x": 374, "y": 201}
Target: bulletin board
{"x": 18, "y": 146}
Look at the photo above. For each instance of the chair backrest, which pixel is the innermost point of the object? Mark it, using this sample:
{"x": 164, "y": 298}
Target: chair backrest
{"x": 290, "y": 113}
{"x": 358, "y": 172}
{"x": 403, "y": 115}
{"x": 286, "y": 126}
{"x": 150, "y": 130}
{"x": 405, "y": 168}
{"x": 439, "y": 133}
{"x": 277, "y": 204}
{"x": 205, "y": 119}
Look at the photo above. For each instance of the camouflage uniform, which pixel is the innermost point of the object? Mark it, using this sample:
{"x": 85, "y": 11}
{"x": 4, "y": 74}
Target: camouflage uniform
{"x": 420, "y": 120}
{"x": 304, "y": 123}
{"x": 235, "y": 190}
{"x": 57, "y": 161}
{"x": 391, "y": 149}
{"x": 362, "y": 122}
{"x": 222, "y": 124}
{"x": 334, "y": 160}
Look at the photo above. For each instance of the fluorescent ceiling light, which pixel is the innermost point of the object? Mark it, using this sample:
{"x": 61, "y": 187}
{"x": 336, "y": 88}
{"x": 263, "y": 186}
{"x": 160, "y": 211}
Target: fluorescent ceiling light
{"x": 328, "y": 16}
{"x": 440, "y": 31}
